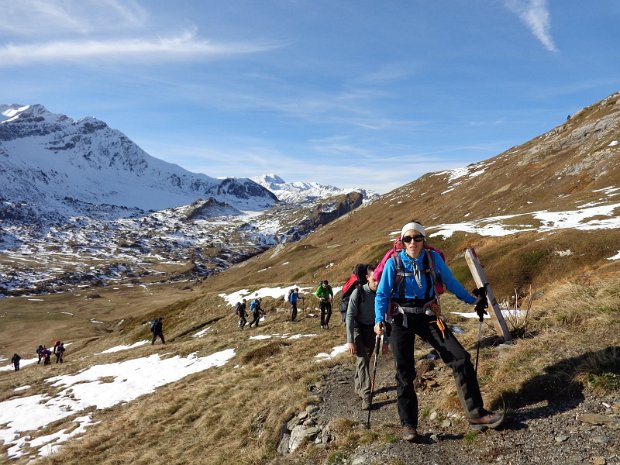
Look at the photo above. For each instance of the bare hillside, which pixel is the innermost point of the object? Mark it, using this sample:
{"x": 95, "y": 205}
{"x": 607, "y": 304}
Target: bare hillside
{"x": 546, "y": 209}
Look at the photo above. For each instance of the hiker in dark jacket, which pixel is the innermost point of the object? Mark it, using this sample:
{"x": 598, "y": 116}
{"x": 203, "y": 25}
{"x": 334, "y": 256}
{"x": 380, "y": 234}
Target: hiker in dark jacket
{"x": 361, "y": 339}
{"x": 39, "y": 352}
{"x": 158, "y": 330}
{"x": 415, "y": 316}
{"x": 46, "y": 354}
{"x": 256, "y": 312}
{"x": 240, "y": 310}
{"x": 15, "y": 361}
{"x": 325, "y": 294}
{"x": 293, "y": 297}
{"x": 59, "y": 351}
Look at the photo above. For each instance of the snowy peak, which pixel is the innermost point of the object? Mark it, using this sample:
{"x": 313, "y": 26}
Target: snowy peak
{"x": 50, "y": 158}
{"x": 302, "y": 192}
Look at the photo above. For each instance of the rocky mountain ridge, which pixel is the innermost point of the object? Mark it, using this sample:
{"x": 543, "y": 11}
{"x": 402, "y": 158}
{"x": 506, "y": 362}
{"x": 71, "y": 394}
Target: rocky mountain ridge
{"x": 75, "y": 191}
{"x": 71, "y": 167}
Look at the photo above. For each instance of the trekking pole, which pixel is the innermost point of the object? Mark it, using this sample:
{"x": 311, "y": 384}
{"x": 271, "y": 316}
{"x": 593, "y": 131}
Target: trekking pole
{"x": 378, "y": 341}
{"x": 478, "y": 345}
{"x": 480, "y": 310}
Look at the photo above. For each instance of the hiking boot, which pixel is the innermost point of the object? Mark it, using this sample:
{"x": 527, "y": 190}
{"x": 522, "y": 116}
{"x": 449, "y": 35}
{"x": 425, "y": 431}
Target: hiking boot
{"x": 488, "y": 420}
{"x": 409, "y": 433}
{"x": 366, "y": 403}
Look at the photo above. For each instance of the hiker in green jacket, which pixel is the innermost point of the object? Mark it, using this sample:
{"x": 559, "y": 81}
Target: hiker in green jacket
{"x": 325, "y": 295}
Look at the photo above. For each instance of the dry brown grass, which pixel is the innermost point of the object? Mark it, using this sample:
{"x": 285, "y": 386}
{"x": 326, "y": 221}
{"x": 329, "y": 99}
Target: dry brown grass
{"x": 234, "y": 413}
{"x": 214, "y": 417}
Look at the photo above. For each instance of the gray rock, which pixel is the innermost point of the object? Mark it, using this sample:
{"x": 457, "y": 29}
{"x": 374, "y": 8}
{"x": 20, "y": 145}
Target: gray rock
{"x": 312, "y": 409}
{"x": 284, "y": 443}
{"x": 600, "y": 440}
{"x": 301, "y": 433}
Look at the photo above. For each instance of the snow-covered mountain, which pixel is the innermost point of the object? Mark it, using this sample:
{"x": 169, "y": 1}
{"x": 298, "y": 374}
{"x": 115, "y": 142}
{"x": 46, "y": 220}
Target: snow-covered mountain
{"x": 77, "y": 192}
{"x": 70, "y": 167}
{"x": 303, "y": 192}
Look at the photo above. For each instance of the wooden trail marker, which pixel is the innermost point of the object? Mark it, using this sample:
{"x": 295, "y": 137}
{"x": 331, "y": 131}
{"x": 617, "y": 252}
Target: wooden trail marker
{"x": 481, "y": 280}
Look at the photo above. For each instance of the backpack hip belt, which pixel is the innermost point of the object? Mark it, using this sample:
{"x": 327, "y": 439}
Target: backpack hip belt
{"x": 425, "y": 309}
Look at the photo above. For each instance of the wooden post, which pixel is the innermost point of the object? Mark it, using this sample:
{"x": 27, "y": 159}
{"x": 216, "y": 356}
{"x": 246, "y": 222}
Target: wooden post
{"x": 481, "y": 280}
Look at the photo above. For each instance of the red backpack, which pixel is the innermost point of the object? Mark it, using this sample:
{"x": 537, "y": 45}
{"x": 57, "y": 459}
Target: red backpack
{"x": 357, "y": 279}
{"x": 396, "y": 248}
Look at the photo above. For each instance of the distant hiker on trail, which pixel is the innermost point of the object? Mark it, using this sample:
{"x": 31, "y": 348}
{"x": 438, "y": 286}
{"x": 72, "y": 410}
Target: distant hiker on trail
{"x": 325, "y": 295}
{"x": 293, "y": 297}
{"x": 406, "y": 299}
{"x": 240, "y": 311}
{"x": 46, "y": 354}
{"x": 39, "y": 352}
{"x": 360, "y": 319}
{"x": 256, "y": 312}
{"x": 59, "y": 350}
{"x": 15, "y": 361}
{"x": 157, "y": 328}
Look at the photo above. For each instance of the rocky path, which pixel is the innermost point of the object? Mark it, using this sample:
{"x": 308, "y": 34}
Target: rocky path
{"x": 573, "y": 431}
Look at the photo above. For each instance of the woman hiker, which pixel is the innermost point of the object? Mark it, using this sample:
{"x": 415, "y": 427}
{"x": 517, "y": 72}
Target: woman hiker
{"x": 404, "y": 296}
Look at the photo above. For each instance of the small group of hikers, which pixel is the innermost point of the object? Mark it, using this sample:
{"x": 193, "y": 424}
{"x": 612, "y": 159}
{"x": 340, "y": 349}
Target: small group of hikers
{"x": 324, "y": 293}
{"x": 255, "y": 310}
{"x": 45, "y": 353}
{"x": 400, "y": 302}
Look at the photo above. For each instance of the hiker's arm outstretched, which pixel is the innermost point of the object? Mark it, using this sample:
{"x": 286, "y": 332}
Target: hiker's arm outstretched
{"x": 450, "y": 281}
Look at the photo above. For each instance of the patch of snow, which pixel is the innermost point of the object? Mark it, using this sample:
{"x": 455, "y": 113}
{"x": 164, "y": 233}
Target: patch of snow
{"x": 202, "y": 332}
{"x": 22, "y": 363}
{"x": 75, "y": 393}
{"x": 111, "y": 350}
{"x": 335, "y": 351}
{"x": 615, "y": 257}
{"x": 274, "y": 292}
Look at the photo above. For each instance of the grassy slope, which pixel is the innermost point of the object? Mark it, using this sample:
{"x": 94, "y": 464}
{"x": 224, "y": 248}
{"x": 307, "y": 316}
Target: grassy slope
{"x": 235, "y": 414}
{"x": 235, "y": 411}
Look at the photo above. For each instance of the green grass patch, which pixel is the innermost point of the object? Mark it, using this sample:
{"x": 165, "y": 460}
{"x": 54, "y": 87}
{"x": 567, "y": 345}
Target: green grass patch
{"x": 470, "y": 437}
{"x": 606, "y": 382}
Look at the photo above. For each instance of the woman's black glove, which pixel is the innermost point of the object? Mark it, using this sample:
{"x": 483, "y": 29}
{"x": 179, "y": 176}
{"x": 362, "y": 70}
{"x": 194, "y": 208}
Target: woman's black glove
{"x": 482, "y": 303}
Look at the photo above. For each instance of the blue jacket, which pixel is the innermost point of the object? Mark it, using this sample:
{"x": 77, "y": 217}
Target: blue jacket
{"x": 293, "y": 297}
{"x": 412, "y": 290}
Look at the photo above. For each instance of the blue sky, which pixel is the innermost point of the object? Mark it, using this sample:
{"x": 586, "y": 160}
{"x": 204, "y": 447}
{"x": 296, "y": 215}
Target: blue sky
{"x": 350, "y": 93}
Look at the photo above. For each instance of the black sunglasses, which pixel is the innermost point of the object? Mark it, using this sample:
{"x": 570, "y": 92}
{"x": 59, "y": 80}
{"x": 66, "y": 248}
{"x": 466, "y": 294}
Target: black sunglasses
{"x": 408, "y": 239}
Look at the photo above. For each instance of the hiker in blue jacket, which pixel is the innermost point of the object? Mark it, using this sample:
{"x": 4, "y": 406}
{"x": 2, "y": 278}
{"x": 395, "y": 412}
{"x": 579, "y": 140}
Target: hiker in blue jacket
{"x": 406, "y": 296}
{"x": 257, "y": 311}
{"x": 293, "y": 297}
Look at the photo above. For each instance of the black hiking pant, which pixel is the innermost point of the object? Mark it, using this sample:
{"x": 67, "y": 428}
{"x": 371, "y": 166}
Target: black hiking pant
{"x": 255, "y": 320}
{"x": 326, "y": 313}
{"x": 451, "y": 352}
{"x": 159, "y": 334}
{"x": 242, "y": 321}
{"x": 293, "y": 311}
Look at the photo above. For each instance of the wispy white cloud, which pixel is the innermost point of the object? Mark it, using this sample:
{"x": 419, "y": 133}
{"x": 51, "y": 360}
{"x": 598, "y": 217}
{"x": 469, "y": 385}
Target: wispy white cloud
{"x": 182, "y": 47}
{"x": 535, "y": 15}
{"x": 51, "y": 17}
